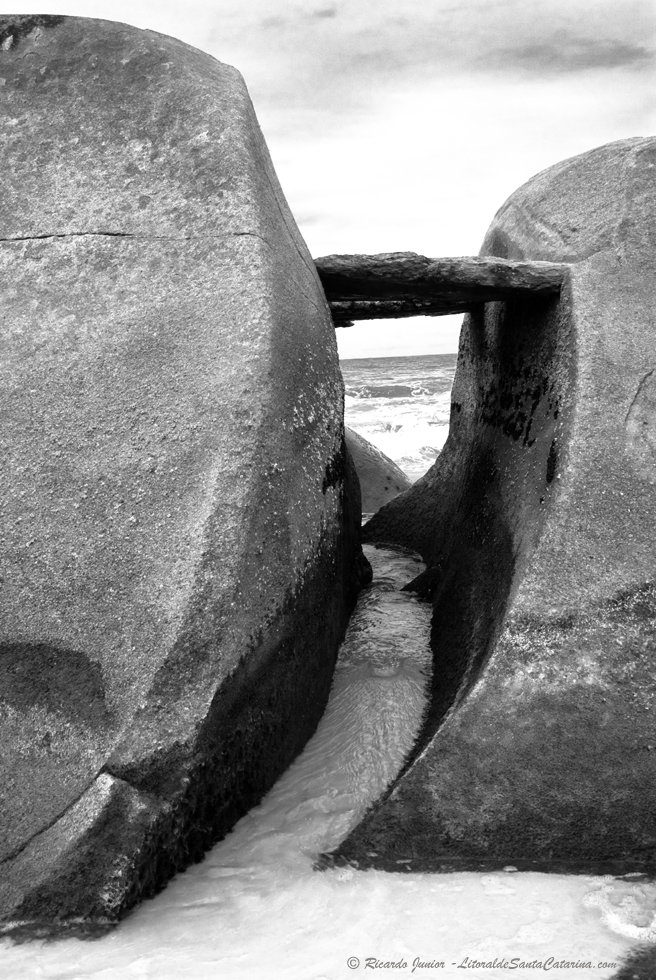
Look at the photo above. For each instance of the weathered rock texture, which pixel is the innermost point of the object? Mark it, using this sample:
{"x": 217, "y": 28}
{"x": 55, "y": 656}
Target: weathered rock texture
{"x": 179, "y": 516}
{"x": 398, "y": 284}
{"x": 537, "y": 523}
{"x": 380, "y": 478}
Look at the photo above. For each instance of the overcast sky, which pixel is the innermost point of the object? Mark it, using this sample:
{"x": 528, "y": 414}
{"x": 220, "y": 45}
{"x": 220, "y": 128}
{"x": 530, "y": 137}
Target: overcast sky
{"x": 404, "y": 124}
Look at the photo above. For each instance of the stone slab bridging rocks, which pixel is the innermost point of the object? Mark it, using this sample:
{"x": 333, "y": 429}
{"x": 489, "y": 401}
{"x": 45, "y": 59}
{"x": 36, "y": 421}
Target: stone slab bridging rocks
{"x": 402, "y": 284}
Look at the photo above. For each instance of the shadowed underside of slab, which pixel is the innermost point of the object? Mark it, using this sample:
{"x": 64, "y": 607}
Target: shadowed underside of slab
{"x": 402, "y": 284}
{"x": 174, "y": 582}
{"x": 536, "y": 526}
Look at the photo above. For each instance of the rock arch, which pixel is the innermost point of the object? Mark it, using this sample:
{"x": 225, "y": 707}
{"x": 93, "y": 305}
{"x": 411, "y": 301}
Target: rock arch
{"x": 536, "y": 522}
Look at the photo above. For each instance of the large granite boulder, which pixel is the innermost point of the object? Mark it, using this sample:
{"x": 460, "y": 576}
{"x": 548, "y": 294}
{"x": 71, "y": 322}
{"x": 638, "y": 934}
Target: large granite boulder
{"x": 180, "y": 520}
{"x": 536, "y": 523}
{"x": 381, "y": 480}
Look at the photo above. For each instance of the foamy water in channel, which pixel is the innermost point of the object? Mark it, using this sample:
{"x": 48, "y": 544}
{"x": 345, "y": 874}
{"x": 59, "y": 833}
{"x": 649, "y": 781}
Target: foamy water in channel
{"x": 255, "y": 909}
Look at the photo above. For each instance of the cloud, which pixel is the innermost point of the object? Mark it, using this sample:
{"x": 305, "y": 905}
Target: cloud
{"x": 330, "y": 58}
{"x": 568, "y": 54}
{"x": 322, "y": 62}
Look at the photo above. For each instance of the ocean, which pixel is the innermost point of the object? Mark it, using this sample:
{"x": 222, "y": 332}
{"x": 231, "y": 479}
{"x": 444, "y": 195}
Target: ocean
{"x": 401, "y": 405}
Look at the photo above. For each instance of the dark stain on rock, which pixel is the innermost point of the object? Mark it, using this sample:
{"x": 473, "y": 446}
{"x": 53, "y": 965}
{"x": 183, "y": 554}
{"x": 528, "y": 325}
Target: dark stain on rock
{"x": 62, "y": 681}
{"x": 518, "y": 394}
{"x": 14, "y": 28}
{"x": 335, "y": 469}
{"x": 552, "y": 462}
{"x": 636, "y": 604}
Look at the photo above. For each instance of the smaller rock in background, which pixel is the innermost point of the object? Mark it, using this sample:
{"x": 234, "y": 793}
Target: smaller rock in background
{"x": 380, "y": 478}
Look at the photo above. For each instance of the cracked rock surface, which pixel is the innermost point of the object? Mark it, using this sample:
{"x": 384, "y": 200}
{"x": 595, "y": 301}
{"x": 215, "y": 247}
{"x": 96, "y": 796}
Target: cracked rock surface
{"x": 179, "y": 546}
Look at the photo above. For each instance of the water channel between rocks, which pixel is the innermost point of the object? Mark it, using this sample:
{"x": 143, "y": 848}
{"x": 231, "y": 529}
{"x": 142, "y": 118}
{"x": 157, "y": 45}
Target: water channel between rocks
{"x": 255, "y": 909}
